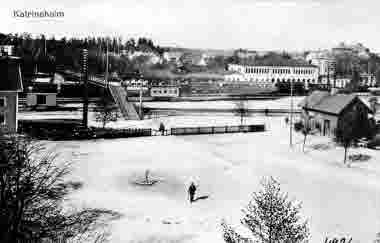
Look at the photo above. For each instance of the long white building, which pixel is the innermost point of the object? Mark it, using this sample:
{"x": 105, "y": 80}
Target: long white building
{"x": 269, "y": 76}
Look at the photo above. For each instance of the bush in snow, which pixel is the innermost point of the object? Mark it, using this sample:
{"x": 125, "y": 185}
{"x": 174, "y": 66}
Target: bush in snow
{"x": 106, "y": 111}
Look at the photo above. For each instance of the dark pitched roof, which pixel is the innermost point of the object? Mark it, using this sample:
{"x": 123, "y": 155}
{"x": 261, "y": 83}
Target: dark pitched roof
{"x": 324, "y": 102}
{"x": 335, "y": 103}
{"x": 313, "y": 99}
{"x": 10, "y": 74}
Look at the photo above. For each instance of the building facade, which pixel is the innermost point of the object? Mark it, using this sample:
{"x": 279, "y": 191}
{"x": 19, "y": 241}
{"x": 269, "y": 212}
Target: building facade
{"x": 34, "y": 99}
{"x": 368, "y": 80}
{"x": 340, "y": 82}
{"x": 324, "y": 61}
{"x": 164, "y": 91}
{"x": 6, "y": 50}
{"x": 269, "y": 76}
{"x": 10, "y": 86}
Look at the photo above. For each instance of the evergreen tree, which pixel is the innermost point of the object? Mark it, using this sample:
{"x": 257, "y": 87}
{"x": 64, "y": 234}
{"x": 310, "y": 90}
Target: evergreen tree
{"x": 271, "y": 217}
{"x": 352, "y": 126}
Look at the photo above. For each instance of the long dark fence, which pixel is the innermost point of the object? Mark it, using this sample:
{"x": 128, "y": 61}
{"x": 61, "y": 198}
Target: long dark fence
{"x": 58, "y": 129}
{"x": 45, "y": 240}
{"x": 250, "y": 111}
{"x": 216, "y": 129}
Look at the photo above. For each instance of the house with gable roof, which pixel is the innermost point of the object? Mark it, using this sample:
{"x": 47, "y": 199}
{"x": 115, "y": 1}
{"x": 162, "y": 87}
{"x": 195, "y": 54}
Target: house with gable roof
{"x": 325, "y": 111}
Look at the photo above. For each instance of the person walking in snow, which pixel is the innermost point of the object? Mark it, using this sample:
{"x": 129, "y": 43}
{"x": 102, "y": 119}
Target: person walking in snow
{"x": 191, "y": 191}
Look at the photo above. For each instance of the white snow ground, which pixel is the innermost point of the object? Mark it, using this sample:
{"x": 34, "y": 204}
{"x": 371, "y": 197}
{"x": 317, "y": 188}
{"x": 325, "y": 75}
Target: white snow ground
{"x": 338, "y": 200}
{"x": 281, "y": 103}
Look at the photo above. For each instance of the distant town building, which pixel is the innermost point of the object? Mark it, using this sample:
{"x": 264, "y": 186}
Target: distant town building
{"x": 197, "y": 59}
{"x": 234, "y": 76}
{"x": 42, "y": 92}
{"x": 339, "y": 82}
{"x": 10, "y": 86}
{"x": 353, "y": 49}
{"x": 324, "y": 60}
{"x": 244, "y": 54}
{"x": 6, "y": 50}
{"x": 269, "y": 76}
{"x": 172, "y": 56}
{"x": 151, "y": 56}
{"x": 324, "y": 111}
{"x": 164, "y": 91}
{"x": 368, "y": 80}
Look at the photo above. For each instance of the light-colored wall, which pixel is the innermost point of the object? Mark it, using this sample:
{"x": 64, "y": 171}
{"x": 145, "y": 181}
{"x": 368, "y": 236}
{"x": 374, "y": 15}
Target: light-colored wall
{"x": 10, "y": 110}
{"x": 160, "y": 92}
{"x": 316, "y": 117}
{"x": 275, "y": 74}
{"x": 51, "y": 99}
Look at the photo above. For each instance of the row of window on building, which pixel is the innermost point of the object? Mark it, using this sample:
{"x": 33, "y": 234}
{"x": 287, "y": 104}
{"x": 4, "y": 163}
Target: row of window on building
{"x": 252, "y": 70}
{"x": 165, "y": 91}
{"x": 273, "y": 80}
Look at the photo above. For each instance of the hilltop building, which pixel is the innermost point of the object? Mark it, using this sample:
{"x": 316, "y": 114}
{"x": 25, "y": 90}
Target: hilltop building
{"x": 244, "y": 54}
{"x": 172, "y": 56}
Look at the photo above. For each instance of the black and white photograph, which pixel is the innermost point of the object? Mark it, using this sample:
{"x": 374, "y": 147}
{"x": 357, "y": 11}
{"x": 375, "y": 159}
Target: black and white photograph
{"x": 190, "y": 121}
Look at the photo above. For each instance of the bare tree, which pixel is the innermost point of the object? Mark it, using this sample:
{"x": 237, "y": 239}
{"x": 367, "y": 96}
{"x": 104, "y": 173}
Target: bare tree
{"x": 33, "y": 186}
{"x": 271, "y": 217}
{"x": 106, "y": 110}
{"x": 241, "y": 110}
{"x": 306, "y": 129}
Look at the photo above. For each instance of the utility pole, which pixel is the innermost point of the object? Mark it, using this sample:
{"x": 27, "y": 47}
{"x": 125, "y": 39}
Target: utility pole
{"x": 291, "y": 114}
{"x": 140, "y": 106}
{"x": 85, "y": 86}
{"x": 328, "y": 75}
{"x": 106, "y": 75}
{"x": 141, "y": 103}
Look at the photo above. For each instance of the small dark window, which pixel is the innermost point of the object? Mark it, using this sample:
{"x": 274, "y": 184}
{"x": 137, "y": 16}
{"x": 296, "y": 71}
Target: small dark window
{"x": 2, "y": 118}
{"x": 2, "y": 102}
{"x": 41, "y": 99}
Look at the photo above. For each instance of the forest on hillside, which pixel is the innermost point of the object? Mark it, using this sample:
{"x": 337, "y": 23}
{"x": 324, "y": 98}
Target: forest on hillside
{"x": 42, "y": 54}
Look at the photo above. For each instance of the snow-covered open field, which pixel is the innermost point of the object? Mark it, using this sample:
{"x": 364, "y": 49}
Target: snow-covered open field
{"x": 338, "y": 200}
{"x": 280, "y": 103}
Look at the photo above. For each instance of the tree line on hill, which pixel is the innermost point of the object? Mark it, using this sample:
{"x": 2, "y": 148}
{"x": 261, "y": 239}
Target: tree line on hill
{"x": 44, "y": 54}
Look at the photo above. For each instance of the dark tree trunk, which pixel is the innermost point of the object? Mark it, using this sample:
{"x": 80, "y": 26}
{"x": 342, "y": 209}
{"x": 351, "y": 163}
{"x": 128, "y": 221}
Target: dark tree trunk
{"x": 304, "y": 142}
{"x": 345, "y": 154}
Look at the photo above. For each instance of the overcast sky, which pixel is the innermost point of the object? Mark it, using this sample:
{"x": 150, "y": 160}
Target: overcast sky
{"x": 254, "y": 24}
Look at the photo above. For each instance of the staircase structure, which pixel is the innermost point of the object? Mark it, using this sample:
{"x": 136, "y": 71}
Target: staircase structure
{"x": 119, "y": 95}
